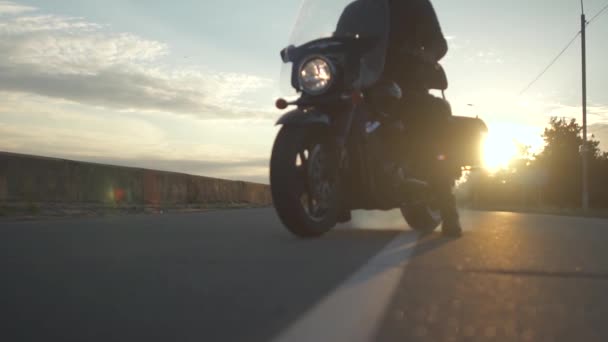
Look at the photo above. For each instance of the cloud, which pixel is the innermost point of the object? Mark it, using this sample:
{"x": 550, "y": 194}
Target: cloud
{"x": 11, "y": 8}
{"x": 89, "y": 135}
{"x": 70, "y": 88}
{"x": 486, "y": 57}
{"x": 600, "y": 132}
{"x": 40, "y": 23}
{"x": 75, "y": 60}
{"x": 34, "y": 125}
{"x": 113, "y": 88}
{"x": 596, "y": 113}
{"x": 134, "y": 144}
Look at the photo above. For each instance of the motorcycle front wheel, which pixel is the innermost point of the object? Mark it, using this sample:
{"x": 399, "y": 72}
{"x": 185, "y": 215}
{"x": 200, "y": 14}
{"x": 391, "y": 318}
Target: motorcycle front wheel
{"x": 304, "y": 180}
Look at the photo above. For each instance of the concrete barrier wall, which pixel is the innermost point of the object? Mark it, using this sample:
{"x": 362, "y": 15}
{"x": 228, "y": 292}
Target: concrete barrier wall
{"x": 26, "y": 178}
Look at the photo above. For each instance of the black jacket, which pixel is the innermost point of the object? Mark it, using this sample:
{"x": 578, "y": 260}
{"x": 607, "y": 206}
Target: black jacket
{"x": 414, "y": 29}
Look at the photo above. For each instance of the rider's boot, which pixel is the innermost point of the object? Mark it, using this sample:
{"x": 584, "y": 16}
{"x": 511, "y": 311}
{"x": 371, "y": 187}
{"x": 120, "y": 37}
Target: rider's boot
{"x": 449, "y": 213}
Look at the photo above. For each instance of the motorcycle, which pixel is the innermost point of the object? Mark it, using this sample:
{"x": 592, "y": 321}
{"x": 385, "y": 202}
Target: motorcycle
{"x": 328, "y": 157}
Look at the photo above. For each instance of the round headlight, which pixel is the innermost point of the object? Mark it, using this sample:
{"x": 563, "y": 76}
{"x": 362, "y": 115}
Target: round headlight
{"x": 316, "y": 75}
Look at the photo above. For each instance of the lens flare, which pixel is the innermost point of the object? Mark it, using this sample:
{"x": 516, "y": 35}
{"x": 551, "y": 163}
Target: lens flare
{"x": 498, "y": 151}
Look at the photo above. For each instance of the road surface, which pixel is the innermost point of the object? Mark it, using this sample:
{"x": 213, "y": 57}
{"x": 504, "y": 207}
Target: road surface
{"x": 239, "y": 276}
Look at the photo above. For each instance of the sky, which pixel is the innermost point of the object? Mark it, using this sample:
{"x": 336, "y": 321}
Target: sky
{"x": 189, "y": 85}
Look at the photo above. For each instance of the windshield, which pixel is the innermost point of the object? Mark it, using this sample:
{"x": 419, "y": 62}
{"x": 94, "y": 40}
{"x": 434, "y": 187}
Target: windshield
{"x": 343, "y": 18}
{"x": 316, "y": 19}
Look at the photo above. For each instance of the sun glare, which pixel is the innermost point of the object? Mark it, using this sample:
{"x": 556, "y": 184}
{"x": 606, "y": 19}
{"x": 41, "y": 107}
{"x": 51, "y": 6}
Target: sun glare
{"x": 498, "y": 151}
{"x": 502, "y": 144}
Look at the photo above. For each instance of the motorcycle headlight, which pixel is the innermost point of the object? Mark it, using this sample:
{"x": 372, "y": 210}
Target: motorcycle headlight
{"x": 316, "y": 75}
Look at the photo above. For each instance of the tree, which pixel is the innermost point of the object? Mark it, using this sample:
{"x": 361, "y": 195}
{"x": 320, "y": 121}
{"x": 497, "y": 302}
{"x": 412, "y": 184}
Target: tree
{"x": 598, "y": 175}
{"x": 552, "y": 177}
{"x": 562, "y": 161}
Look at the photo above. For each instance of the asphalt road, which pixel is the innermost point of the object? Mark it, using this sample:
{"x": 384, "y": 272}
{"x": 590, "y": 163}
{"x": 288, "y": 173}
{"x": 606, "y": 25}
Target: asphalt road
{"x": 239, "y": 276}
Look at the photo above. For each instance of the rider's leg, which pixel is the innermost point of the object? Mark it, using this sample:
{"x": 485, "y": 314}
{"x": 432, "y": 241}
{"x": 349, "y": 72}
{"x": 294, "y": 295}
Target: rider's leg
{"x": 447, "y": 205}
{"x": 436, "y": 115}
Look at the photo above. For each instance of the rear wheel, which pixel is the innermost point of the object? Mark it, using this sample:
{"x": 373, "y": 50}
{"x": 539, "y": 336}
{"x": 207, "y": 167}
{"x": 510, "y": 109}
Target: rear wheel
{"x": 421, "y": 217}
{"x": 304, "y": 180}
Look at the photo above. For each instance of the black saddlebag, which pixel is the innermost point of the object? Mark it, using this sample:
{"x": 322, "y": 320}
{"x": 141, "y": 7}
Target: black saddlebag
{"x": 465, "y": 136}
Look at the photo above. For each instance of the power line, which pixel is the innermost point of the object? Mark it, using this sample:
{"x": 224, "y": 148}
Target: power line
{"x": 565, "y": 48}
{"x": 551, "y": 64}
{"x": 598, "y": 14}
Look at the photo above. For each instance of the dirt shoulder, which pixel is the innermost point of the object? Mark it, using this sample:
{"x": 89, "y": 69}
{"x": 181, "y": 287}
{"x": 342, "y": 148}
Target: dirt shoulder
{"x": 578, "y": 212}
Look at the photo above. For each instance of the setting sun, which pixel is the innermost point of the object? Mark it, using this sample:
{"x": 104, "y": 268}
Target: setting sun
{"x": 502, "y": 143}
{"x": 498, "y": 151}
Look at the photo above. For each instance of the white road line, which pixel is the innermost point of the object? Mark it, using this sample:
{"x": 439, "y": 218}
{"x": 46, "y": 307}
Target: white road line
{"x": 354, "y": 310}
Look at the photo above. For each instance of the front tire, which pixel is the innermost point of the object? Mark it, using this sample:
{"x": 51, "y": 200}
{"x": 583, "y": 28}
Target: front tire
{"x": 303, "y": 180}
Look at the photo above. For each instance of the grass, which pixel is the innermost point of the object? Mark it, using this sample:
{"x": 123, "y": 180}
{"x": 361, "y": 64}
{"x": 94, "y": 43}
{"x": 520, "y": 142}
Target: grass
{"x": 31, "y": 210}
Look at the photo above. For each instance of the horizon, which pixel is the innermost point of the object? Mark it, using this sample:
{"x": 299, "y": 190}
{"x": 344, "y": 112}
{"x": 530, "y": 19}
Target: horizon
{"x": 157, "y": 86}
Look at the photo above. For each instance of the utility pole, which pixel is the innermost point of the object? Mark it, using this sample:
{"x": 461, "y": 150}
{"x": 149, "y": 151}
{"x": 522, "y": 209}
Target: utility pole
{"x": 585, "y": 148}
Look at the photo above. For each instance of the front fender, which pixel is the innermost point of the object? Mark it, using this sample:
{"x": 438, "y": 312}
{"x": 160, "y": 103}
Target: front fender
{"x": 304, "y": 117}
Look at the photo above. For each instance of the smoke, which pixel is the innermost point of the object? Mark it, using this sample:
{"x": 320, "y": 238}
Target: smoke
{"x": 381, "y": 220}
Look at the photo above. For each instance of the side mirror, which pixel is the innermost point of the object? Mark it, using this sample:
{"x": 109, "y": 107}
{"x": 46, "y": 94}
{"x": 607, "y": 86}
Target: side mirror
{"x": 285, "y": 54}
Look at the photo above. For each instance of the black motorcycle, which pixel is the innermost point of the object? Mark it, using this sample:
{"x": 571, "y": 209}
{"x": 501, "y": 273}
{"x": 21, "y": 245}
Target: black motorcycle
{"x": 329, "y": 155}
